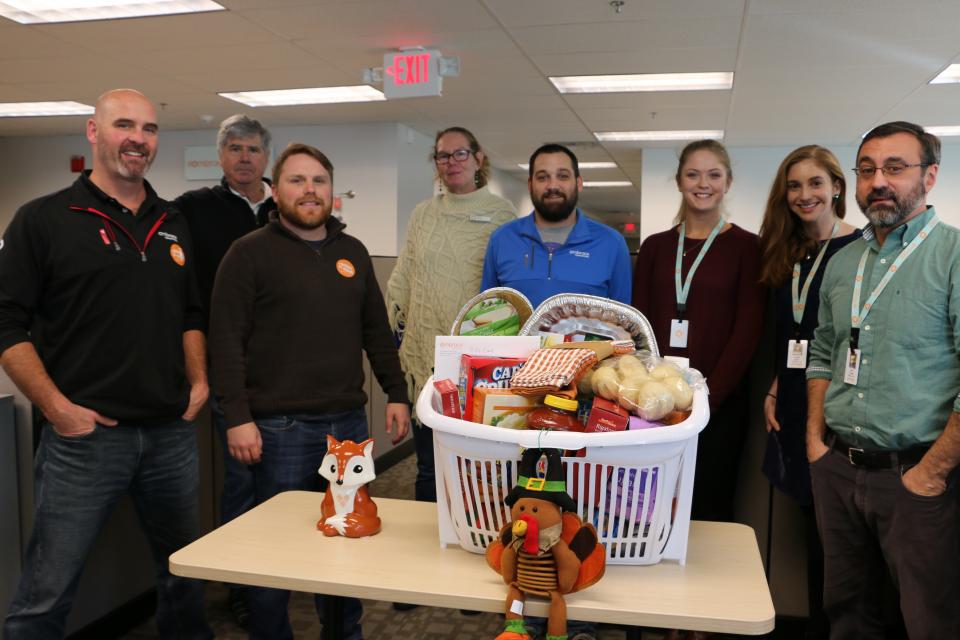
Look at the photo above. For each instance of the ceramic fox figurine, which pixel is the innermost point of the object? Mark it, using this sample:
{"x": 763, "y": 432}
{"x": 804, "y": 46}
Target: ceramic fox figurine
{"x": 347, "y": 508}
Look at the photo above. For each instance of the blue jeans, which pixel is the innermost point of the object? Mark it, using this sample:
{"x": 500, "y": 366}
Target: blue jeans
{"x": 238, "y": 496}
{"x": 78, "y": 482}
{"x": 293, "y": 448}
{"x": 425, "y": 486}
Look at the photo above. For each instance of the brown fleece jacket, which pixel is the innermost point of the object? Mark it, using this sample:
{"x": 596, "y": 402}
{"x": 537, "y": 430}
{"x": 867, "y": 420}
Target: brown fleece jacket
{"x": 289, "y": 321}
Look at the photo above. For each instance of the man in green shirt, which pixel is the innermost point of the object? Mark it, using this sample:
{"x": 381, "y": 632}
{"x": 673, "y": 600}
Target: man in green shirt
{"x": 883, "y": 429}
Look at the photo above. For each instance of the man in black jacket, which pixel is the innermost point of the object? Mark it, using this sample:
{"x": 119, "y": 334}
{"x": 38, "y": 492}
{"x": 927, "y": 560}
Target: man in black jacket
{"x": 238, "y": 205}
{"x": 217, "y": 216}
{"x": 295, "y": 305}
{"x": 100, "y": 328}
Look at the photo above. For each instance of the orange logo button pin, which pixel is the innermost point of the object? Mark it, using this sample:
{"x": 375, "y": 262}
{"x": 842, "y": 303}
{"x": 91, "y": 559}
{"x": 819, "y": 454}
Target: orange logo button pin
{"x": 176, "y": 252}
{"x": 346, "y": 268}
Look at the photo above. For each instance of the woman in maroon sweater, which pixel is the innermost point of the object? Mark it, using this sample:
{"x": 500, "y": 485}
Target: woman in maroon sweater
{"x": 713, "y": 317}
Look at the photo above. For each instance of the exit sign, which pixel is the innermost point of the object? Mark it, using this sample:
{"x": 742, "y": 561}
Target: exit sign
{"x": 411, "y": 74}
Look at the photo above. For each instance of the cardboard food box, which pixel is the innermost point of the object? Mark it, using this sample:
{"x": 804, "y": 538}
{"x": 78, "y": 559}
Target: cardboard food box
{"x": 449, "y": 349}
{"x": 607, "y": 416}
{"x": 485, "y": 372}
{"x": 447, "y": 398}
{"x": 501, "y": 407}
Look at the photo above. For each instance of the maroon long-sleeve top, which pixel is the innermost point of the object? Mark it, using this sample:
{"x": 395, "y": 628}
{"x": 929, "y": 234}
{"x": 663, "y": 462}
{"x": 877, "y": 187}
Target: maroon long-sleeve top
{"x": 725, "y": 305}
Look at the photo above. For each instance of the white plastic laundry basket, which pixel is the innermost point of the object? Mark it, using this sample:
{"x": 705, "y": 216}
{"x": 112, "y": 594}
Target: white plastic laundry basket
{"x": 634, "y": 486}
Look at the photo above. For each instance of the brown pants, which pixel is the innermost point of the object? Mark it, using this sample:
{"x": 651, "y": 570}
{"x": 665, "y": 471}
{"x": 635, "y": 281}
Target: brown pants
{"x": 869, "y": 523}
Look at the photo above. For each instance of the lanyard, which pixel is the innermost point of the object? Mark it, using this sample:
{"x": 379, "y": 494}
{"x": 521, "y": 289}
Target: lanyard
{"x": 857, "y": 315}
{"x": 683, "y": 290}
{"x": 800, "y": 296}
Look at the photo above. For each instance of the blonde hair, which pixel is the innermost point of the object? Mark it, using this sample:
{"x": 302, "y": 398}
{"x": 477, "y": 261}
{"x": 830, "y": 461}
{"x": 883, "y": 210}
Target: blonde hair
{"x": 714, "y": 147}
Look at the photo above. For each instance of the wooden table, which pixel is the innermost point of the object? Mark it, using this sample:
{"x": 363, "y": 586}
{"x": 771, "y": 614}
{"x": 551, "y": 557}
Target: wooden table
{"x": 721, "y": 588}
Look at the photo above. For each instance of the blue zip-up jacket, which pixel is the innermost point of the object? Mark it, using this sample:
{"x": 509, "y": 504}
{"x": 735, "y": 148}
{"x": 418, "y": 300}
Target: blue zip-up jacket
{"x": 594, "y": 261}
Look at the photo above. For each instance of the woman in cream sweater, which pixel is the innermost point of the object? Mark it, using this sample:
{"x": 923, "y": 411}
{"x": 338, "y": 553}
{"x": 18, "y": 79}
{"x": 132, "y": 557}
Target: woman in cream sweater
{"x": 439, "y": 268}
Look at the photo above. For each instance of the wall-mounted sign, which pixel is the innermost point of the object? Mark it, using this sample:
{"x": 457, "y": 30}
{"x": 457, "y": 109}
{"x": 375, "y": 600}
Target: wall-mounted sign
{"x": 201, "y": 163}
{"x": 413, "y": 73}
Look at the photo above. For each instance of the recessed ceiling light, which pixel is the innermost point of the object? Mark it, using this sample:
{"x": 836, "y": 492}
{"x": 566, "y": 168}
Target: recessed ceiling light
{"x": 950, "y": 75}
{"x": 317, "y": 95}
{"x": 943, "y": 130}
{"x": 650, "y": 136}
{"x": 607, "y": 183}
{"x": 29, "y": 109}
{"x": 583, "y": 165}
{"x": 644, "y": 82}
{"x": 37, "y": 11}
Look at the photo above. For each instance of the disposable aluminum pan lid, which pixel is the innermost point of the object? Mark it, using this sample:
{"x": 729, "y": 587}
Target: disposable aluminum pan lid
{"x": 568, "y": 313}
{"x": 519, "y": 301}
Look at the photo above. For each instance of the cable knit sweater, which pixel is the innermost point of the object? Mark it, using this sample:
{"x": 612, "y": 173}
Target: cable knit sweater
{"x": 438, "y": 271}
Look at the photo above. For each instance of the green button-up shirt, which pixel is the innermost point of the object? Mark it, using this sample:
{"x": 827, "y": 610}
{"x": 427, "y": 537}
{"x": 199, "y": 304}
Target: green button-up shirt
{"x": 909, "y": 342}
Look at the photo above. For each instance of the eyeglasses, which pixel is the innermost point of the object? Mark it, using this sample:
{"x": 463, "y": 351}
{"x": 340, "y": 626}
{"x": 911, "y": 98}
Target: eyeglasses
{"x": 889, "y": 170}
{"x": 460, "y": 155}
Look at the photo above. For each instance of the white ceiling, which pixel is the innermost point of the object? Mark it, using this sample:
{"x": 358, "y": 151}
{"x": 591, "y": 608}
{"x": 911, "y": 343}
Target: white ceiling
{"x": 806, "y": 70}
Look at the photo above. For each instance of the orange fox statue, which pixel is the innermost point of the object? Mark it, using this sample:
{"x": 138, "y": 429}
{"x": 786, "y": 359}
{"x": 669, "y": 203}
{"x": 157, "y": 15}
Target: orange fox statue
{"x": 347, "y": 509}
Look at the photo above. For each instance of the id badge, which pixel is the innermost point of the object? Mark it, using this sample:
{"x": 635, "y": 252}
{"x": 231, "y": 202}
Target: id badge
{"x": 678, "y": 333}
{"x": 851, "y": 369}
{"x": 797, "y": 354}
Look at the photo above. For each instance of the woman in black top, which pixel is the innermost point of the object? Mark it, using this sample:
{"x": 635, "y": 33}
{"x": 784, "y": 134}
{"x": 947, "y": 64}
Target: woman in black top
{"x": 802, "y": 229}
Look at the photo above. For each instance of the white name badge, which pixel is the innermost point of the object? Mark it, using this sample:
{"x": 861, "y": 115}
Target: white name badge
{"x": 796, "y": 354}
{"x": 678, "y": 333}
{"x": 851, "y": 369}
{"x": 477, "y": 218}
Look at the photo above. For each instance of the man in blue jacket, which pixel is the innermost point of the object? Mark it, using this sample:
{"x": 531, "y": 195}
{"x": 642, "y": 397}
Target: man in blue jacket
{"x": 557, "y": 249}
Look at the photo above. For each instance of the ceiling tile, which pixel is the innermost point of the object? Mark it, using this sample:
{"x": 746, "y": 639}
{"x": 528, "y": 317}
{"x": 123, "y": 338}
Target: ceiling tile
{"x": 551, "y": 12}
{"x": 394, "y": 22}
{"x": 612, "y": 37}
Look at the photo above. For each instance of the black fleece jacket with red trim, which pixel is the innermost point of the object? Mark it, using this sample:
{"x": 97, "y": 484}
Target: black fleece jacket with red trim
{"x": 289, "y": 323}
{"x": 105, "y": 296}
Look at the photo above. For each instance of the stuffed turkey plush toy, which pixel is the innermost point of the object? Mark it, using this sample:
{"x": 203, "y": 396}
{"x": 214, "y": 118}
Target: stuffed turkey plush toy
{"x": 546, "y": 550}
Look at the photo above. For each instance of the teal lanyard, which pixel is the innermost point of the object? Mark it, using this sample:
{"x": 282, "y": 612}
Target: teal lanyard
{"x": 800, "y": 296}
{"x": 858, "y": 315}
{"x": 683, "y": 290}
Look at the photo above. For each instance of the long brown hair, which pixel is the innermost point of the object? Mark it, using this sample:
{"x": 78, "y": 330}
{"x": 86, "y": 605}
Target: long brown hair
{"x": 714, "y": 147}
{"x": 783, "y": 238}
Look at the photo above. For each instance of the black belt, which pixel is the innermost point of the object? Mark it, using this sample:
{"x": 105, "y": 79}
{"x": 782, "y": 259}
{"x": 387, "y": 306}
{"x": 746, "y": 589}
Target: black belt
{"x": 860, "y": 457}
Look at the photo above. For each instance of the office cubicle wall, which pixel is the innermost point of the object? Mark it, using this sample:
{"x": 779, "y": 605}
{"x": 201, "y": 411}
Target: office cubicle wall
{"x": 9, "y": 503}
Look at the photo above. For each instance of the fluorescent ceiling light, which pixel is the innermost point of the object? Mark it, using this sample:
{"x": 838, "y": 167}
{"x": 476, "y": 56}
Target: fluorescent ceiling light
{"x": 583, "y": 165}
{"x": 37, "y": 11}
{"x": 644, "y": 82}
{"x": 950, "y": 75}
{"x": 943, "y": 130}
{"x": 650, "y": 136}
{"x": 607, "y": 183}
{"x": 318, "y": 95}
{"x": 28, "y": 109}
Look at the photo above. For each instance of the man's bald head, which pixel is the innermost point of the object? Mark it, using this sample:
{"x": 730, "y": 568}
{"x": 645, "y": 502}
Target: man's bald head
{"x": 123, "y": 134}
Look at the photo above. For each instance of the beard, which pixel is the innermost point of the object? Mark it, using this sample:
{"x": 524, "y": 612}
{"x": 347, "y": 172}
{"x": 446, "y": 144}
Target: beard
{"x": 132, "y": 172}
{"x": 885, "y": 215}
{"x": 555, "y": 211}
{"x": 292, "y": 215}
